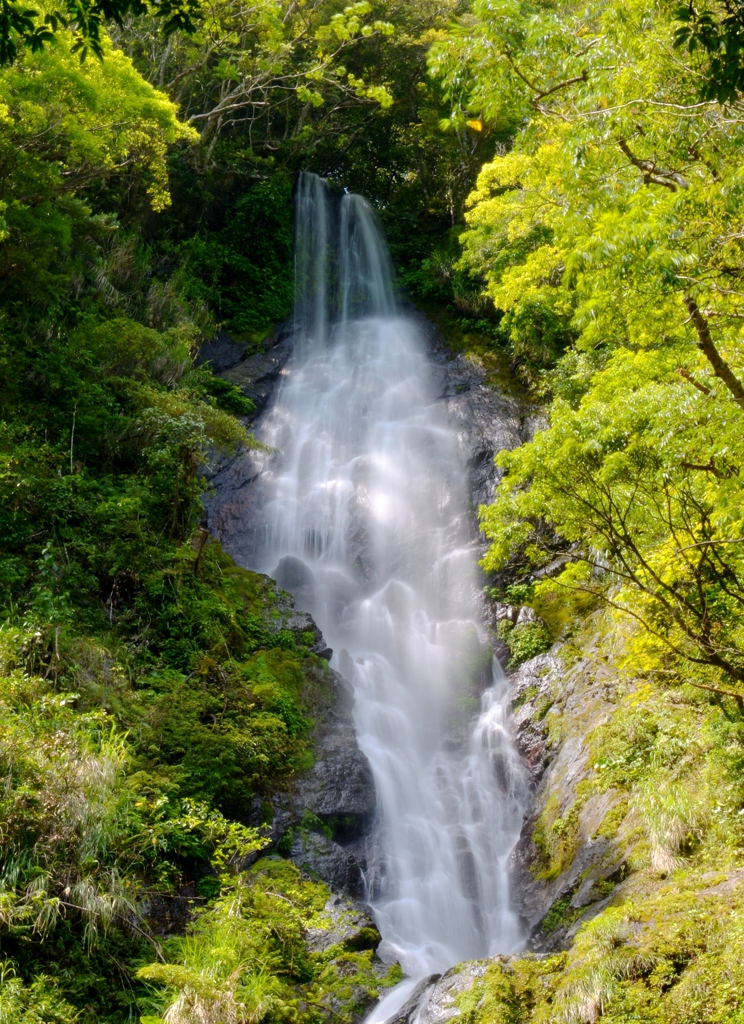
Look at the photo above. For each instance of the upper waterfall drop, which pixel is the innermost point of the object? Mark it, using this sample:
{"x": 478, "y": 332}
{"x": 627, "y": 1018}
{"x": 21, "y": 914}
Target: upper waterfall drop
{"x": 342, "y": 267}
{"x": 364, "y": 520}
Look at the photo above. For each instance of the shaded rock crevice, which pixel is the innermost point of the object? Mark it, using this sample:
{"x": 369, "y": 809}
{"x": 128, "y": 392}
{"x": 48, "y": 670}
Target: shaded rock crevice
{"x": 255, "y": 373}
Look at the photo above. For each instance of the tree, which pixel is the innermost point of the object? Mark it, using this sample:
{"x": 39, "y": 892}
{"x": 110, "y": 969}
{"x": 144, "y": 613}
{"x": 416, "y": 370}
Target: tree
{"x": 67, "y": 130}
{"x": 609, "y": 237}
{"x": 22, "y": 27}
{"x": 640, "y": 484}
{"x": 261, "y": 68}
{"x": 715, "y": 33}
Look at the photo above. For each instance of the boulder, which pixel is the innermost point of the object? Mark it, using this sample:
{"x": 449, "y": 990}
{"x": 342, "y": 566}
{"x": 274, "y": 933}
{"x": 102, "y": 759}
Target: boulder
{"x": 221, "y": 352}
{"x": 257, "y": 374}
{"x": 438, "y": 1002}
{"x": 410, "y": 1010}
{"x": 337, "y": 792}
{"x": 342, "y": 921}
{"x": 319, "y": 856}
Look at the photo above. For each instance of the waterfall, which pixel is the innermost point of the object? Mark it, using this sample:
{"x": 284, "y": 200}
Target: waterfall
{"x": 364, "y": 519}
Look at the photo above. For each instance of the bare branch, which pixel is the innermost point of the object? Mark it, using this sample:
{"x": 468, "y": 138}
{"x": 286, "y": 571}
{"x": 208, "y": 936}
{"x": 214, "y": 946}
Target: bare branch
{"x": 712, "y": 543}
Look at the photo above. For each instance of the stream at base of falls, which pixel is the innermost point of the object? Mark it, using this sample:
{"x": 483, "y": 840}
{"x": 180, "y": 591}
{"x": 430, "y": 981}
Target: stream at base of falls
{"x": 363, "y": 517}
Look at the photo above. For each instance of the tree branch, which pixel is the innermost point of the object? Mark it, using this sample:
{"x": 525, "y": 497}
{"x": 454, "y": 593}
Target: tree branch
{"x": 695, "y": 383}
{"x": 652, "y": 174}
{"x": 709, "y": 467}
{"x": 707, "y": 346}
{"x": 540, "y": 94}
{"x": 583, "y": 77}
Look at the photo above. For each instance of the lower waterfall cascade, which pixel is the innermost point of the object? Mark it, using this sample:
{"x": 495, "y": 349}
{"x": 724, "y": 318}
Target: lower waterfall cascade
{"x": 363, "y": 517}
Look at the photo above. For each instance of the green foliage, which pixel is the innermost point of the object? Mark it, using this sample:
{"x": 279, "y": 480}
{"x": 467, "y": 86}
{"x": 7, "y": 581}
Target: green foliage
{"x": 267, "y": 77}
{"x": 228, "y": 396}
{"x": 245, "y": 958}
{"x": 681, "y": 764}
{"x": 560, "y": 914}
{"x": 244, "y": 269}
{"x": 151, "y": 698}
{"x": 22, "y": 27}
{"x": 555, "y": 838}
{"x": 37, "y": 1003}
{"x": 666, "y": 769}
{"x": 509, "y": 993}
{"x": 64, "y": 128}
{"x": 613, "y": 820}
{"x": 524, "y": 641}
{"x": 669, "y": 957}
{"x": 604, "y": 237}
{"x": 87, "y": 840}
{"x": 99, "y": 823}
{"x": 716, "y": 31}
{"x": 149, "y": 689}
{"x": 519, "y": 593}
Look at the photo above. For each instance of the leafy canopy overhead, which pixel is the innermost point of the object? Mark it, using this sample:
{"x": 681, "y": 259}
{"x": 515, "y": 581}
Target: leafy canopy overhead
{"x": 610, "y": 239}
{"x": 22, "y": 26}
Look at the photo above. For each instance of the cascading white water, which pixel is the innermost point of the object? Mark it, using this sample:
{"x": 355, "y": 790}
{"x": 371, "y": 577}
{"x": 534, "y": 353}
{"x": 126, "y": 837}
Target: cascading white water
{"x": 364, "y": 519}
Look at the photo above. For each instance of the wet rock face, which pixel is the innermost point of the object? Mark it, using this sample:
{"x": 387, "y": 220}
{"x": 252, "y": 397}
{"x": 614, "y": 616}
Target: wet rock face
{"x": 554, "y": 710}
{"x": 340, "y": 783}
{"x": 256, "y": 375}
{"x": 486, "y": 421}
{"x": 348, "y": 926}
{"x": 409, "y": 1013}
{"x": 323, "y": 858}
{"x": 436, "y": 999}
{"x": 221, "y": 352}
{"x": 233, "y": 504}
{"x": 286, "y": 616}
{"x": 532, "y": 703}
{"x": 438, "y": 1003}
{"x": 338, "y": 793}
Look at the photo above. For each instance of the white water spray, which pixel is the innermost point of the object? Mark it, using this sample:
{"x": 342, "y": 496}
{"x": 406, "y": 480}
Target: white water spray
{"x": 364, "y": 519}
